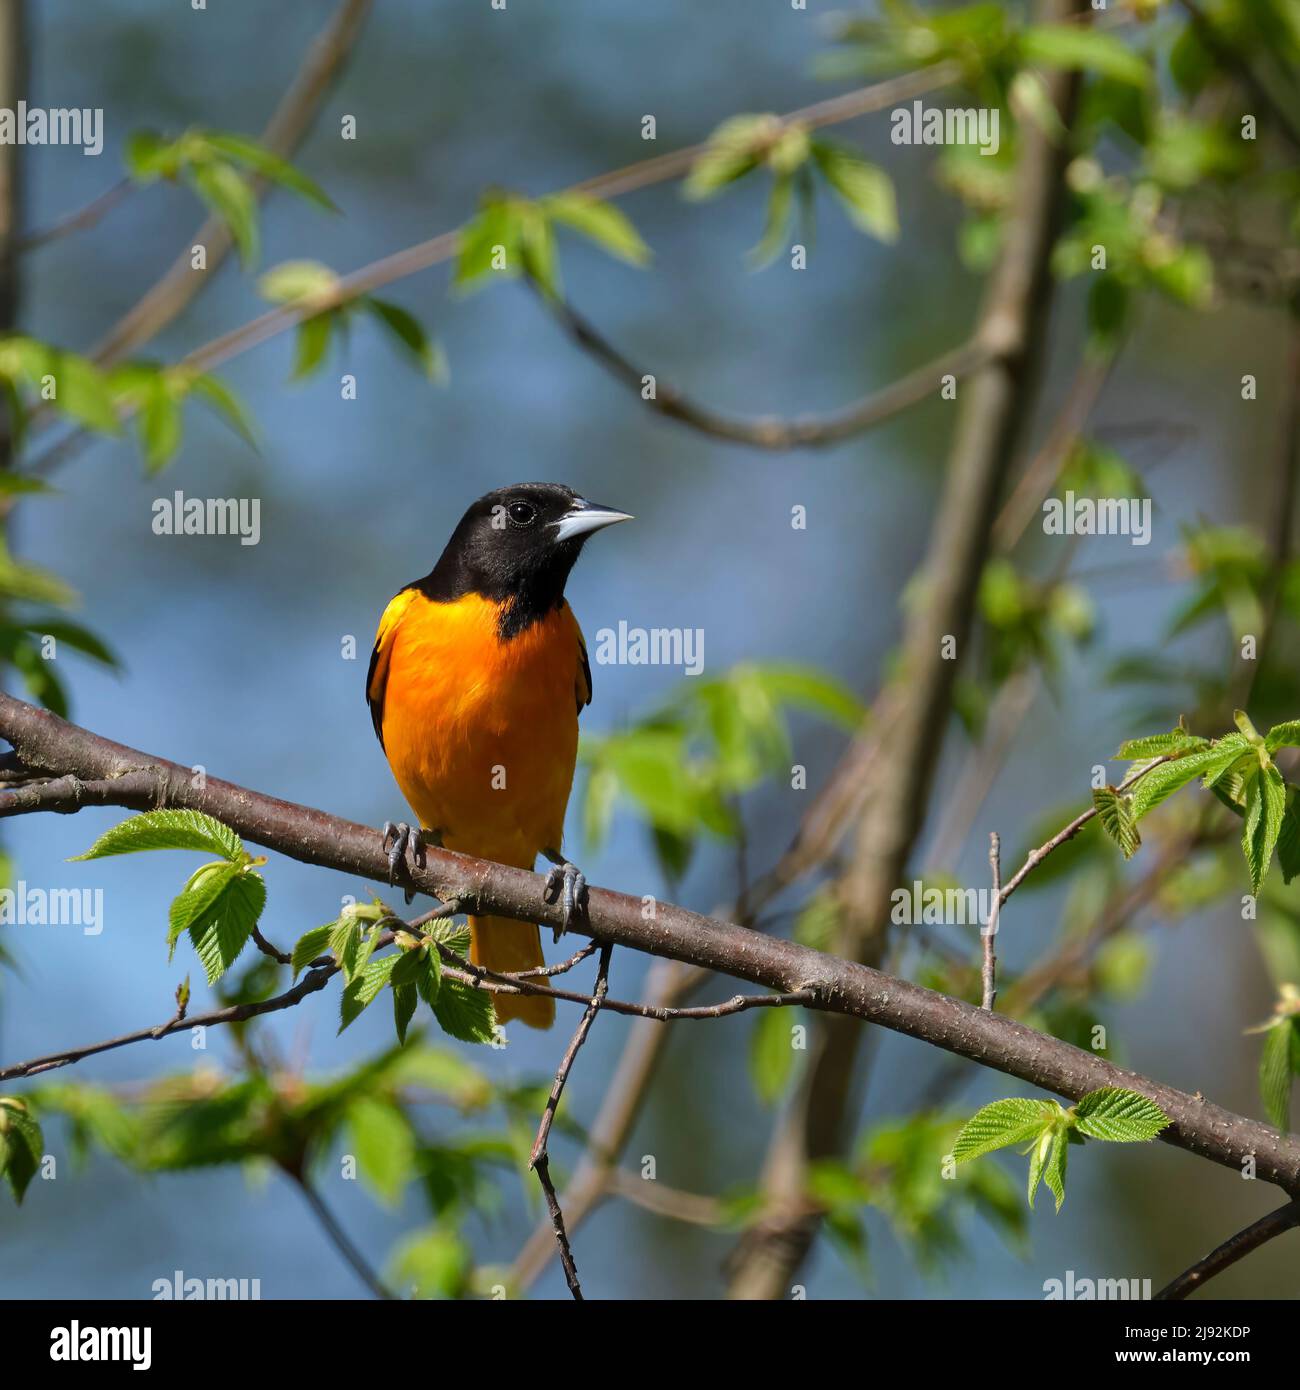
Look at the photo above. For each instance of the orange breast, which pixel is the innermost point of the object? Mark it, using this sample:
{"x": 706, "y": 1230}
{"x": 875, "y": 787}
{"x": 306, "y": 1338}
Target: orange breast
{"x": 481, "y": 734}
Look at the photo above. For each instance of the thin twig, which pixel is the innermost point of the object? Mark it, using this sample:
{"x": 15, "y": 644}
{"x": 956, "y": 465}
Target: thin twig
{"x": 1235, "y": 1248}
{"x": 336, "y": 1233}
{"x": 989, "y": 973}
{"x": 539, "y": 1159}
{"x": 769, "y": 431}
{"x": 85, "y": 217}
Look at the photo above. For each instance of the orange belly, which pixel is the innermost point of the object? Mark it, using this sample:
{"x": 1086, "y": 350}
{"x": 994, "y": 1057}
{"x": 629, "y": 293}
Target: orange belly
{"x": 481, "y": 734}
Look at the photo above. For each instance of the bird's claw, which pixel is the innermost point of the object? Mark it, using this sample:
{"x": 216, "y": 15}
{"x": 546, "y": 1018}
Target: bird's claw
{"x": 404, "y": 838}
{"x": 567, "y": 884}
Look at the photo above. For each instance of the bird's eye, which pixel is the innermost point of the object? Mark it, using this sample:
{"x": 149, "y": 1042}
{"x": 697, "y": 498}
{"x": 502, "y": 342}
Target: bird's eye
{"x": 521, "y": 513}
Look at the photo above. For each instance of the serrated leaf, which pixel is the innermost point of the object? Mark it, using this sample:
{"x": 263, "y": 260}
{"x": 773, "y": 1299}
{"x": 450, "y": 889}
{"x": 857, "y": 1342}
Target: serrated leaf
{"x": 1054, "y": 1168}
{"x": 1116, "y": 817}
{"x": 206, "y": 884}
{"x": 429, "y": 981}
{"x": 1041, "y": 1147}
{"x": 309, "y": 946}
{"x": 364, "y": 989}
{"x": 609, "y": 227}
{"x": 167, "y": 830}
{"x": 1167, "y": 778}
{"x": 1283, "y": 736}
{"x": 1265, "y": 809}
{"x": 1155, "y": 745}
{"x": 1288, "y": 844}
{"x": 405, "y": 999}
{"x": 222, "y": 932}
{"x": 21, "y": 1145}
{"x": 464, "y": 1012}
{"x": 1119, "y": 1115}
{"x": 1275, "y": 1073}
{"x": 1003, "y": 1122}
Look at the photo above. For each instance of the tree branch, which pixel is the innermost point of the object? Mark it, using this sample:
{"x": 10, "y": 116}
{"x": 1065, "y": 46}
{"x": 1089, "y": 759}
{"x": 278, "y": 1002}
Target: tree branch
{"x": 45, "y": 742}
{"x": 1235, "y": 1248}
{"x": 771, "y": 432}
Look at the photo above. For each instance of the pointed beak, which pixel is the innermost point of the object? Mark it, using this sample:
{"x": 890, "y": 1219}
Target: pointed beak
{"x": 586, "y": 517}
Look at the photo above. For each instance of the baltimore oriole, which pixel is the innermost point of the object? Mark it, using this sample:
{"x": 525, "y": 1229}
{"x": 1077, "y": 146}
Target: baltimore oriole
{"x": 477, "y": 679}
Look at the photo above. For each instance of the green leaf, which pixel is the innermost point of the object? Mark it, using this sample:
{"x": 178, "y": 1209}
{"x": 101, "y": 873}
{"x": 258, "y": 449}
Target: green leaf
{"x": 384, "y": 1147}
{"x": 601, "y": 222}
{"x": 497, "y": 224}
{"x": 1054, "y": 1168}
{"x": 1164, "y": 780}
{"x": 733, "y": 149}
{"x": 771, "y": 1054}
{"x": 1001, "y": 1123}
{"x": 433, "y": 1263}
{"x": 866, "y": 191}
{"x": 161, "y": 426}
{"x": 1265, "y": 809}
{"x": 311, "y": 343}
{"x": 21, "y": 1145}
{"x": 309, "y": 946}
{"x": 405, "y": 999}
{"x": 81, "y": 392}
{"x": 298, "y": 282}
{"x": 1288, "y": 845}
{"x": 776, "y": 227}
{"x": 73, "y": 635}
{"x": 1275, "y": 1072}
{"x": 1116, "y": 817}
{"x": 465, "y": 1012}
{"x": 429, "y": 980}
{"x": 225, "y": 404}
{"x": 1042, "y": 1146}
{"x": 364, "y": 989}
{"x": 231, "y": 197}
{"x": 222, "y": 931}
{"x": 1283, "y": 736}
{"x": 1157, "y": 745}
{"x": 406, "y": 331}
{"x": 1073, "y": 47}
{"x": 269, "y": 165}
{"x": 167, "y": 830}
{"x": 194, "y": 902}
{"x": 148, "y": 156}
{"x": 537, "y": 249}
{"x": 1119, "y": 1115}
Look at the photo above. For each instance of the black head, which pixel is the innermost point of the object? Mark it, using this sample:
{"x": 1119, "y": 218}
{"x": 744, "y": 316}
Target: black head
{"x": 516, "y": 547}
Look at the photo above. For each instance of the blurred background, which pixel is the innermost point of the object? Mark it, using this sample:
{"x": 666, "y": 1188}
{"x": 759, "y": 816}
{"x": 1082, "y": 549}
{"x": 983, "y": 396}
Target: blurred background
{"x": 231, "y": 655}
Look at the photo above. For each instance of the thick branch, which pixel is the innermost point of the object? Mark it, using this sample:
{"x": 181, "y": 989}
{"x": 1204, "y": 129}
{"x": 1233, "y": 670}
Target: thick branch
{"x": 46, "y": 743}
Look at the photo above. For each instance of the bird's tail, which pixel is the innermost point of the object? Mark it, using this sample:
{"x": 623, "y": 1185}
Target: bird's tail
{"x": 503, "y": 945}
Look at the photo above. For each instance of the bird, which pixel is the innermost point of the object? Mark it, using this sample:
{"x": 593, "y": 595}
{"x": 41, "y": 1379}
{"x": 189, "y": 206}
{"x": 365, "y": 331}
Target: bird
{"x": 476, "y": 681}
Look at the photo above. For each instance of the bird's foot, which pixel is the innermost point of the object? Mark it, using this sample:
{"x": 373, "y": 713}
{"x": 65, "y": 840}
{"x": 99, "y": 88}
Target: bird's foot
{"x": 567, "y": 884}
{"x": 404, "y": 839}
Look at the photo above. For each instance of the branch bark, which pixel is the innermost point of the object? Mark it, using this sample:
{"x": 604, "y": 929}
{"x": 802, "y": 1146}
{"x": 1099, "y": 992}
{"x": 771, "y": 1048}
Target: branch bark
{"x": 994, "y": 407}
{"x": 45, "y": 743}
